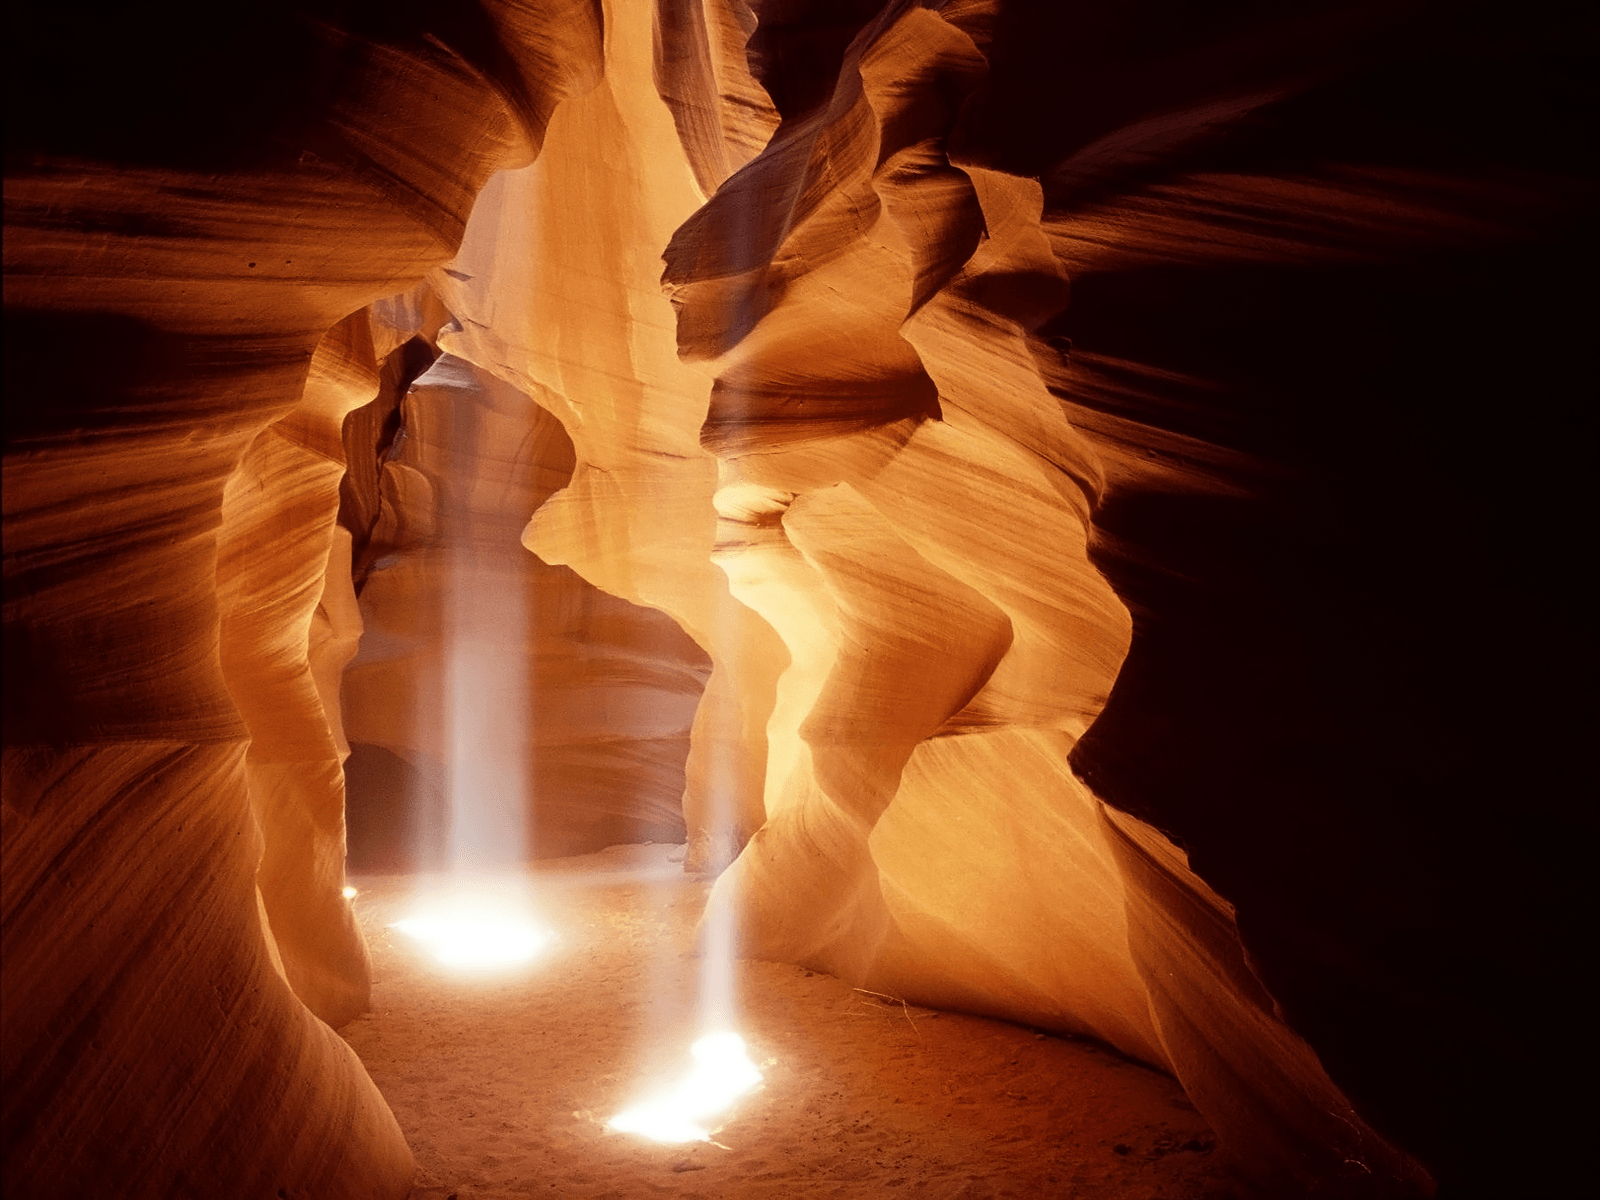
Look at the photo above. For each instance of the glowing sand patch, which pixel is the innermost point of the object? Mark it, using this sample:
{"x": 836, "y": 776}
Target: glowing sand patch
{"x": 475, "y": 931}
{"x": 722, "y": 1072}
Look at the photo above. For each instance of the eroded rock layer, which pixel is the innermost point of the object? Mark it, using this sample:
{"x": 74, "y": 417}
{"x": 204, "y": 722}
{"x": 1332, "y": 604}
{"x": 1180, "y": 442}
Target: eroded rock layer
{"x": 1317, "y": 314}
{"x": 1264, "y": 542}
{"x": 561, "y": 301}
{"x": 194, "y": 200}
{"x": 903, "y": 503}
{"x": 500, "y": 708}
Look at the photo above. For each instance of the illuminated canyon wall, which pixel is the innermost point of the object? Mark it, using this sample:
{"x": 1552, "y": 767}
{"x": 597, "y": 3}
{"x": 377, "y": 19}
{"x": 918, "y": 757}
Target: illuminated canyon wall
{"x": 1265, "y": 541}
{"x": 499, "y": 708}
{"x": 195, "y": 203}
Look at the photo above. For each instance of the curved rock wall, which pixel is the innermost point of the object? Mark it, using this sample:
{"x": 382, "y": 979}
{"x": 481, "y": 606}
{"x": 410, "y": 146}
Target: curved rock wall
{"x": 907, "y": 509}
{"x": 183, "y": 227}
{"x": 1301, "y": 325}
{"x": 1266, "y": 542}
{"x": 562, "y": 301}
{"x": 526, "y": 712}
{"x": 274, "y": 550}
{"x": 910, "y": 507}
{"x": 1318, "y": 262}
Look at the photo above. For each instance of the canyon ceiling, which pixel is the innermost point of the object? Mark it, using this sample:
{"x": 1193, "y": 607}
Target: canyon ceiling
{"x": 1078, "y": 511}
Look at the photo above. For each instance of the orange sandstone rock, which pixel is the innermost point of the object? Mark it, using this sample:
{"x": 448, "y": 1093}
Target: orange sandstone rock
{"x": 1275, "y": 560}
{"x": 172, "y": 808}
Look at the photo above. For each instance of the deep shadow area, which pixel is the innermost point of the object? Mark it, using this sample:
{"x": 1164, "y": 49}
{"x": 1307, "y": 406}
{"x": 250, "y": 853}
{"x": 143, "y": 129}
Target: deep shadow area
{"x": 204, "y": 87}
{"x": 1356, "y": 691}
{"x": 395, "y": 818}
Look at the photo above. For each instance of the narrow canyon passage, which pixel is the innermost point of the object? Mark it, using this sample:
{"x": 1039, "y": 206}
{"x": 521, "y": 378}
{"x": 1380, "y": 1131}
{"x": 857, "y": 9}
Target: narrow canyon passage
{"x": 503, "y": 1085}
{"x": 1073, "y": 513}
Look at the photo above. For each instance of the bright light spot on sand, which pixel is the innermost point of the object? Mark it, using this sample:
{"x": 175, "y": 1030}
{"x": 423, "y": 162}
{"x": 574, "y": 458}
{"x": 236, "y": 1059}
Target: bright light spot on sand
{"x": 476, "y": 944}
{"x": 722, "y": 1072}
{"x": 476, "y": 930}
{"x": 349, "y": 893}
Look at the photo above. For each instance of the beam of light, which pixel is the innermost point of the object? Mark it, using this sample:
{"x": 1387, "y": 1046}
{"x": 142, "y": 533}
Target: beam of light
{"x": 722, "y": 1072}
{"x": 487, "y": 683}
{"x": 479, "y": 919}
{"x": 477, "y": 927}
{"x": 482, "y": 713}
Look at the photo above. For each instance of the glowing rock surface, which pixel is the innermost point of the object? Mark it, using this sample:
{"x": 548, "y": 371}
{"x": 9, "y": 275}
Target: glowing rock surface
{"x": 173, "y": 833}
{"x": 489, "y": 680}
{"x": 1267, "y": 542}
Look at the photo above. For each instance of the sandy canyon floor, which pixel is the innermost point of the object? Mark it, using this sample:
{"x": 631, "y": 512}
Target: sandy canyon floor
{"x": 503, "y": 1084}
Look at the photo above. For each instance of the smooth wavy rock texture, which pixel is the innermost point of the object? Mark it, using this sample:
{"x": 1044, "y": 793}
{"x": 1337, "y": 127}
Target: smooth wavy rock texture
{"x": 527, "y": 713}
{"x": 910, "y": 508}
{"x": 1117, "y": 474}
{"x": 901, "y": 500}
{"x": 180, "y": 266}
{"x": 562, "y": 301}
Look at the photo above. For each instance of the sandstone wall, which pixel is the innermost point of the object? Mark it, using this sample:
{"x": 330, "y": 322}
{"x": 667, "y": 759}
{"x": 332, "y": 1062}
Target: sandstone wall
{"x": 1272, "y": 542}
{"x": 560, "y": 299}
{"x": 499, "y": 706}
{"x": 194, "y": 200}
{"x": 903, "y": 513}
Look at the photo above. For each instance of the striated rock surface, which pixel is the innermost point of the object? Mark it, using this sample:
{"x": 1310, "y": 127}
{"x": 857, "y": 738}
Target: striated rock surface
{"x": 562, "y": 301}
{"x": 190, "y": 209}
{"x": 277, "y": 568}
{"x": 1192, "y": 665}
{"x": 907, "y": 507}
{"x": 911, "y": 509}
{"x": 1308, "y": 328}
{"x": 525, "y": 712}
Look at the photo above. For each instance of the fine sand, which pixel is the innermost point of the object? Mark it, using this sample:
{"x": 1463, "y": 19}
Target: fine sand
{"x": 503, "y": 1084}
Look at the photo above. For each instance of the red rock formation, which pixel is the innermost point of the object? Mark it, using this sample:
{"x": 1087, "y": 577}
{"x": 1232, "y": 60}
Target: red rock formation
{"x": 879, "y": 419}
{"x": 1259, "y": 562}
{"x": 917, "y": 511}
{"x": 1309, "y": 292}
{"x": 172, "y": 809}
{"x": 557, "y": 713}
{"x": 274, "y": 549}
{"x": 563, "y": 302}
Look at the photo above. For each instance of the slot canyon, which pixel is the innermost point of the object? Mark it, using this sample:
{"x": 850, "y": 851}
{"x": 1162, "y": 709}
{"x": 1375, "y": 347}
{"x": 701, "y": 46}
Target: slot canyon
{"x": 1069, "y": 516}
